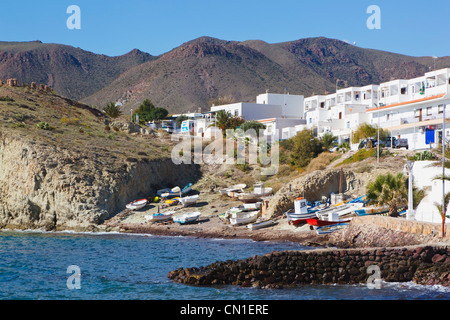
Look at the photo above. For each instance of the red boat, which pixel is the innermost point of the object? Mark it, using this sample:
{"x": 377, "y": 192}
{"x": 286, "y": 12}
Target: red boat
{"x": 320, "y": 223}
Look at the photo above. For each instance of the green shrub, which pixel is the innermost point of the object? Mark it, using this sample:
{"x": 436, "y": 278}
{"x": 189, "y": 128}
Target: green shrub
{"x": 44, "y": 126}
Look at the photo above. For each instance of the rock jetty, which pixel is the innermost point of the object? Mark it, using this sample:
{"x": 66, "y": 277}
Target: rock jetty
{"x": 428, "y": 265}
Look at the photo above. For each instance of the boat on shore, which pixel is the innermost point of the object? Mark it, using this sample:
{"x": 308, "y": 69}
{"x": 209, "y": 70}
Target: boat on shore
{"x": 188, "y": 201}
{"x": 261, "y": 224}
{"x": 164, "y": 216}
{"x": 187, "y": 218}
{"x": 137, "y": 204}
{"x": 301, "y": 212}
{"x": 367, "y": 211}
{"x": 244, "y": 217}
{"x": 174, "y": 192}
{"x": 330, "y": 228}
{"x": 249, "y": 197}
{"x": 235, "y": 188}
{"x": 316, "y": 222}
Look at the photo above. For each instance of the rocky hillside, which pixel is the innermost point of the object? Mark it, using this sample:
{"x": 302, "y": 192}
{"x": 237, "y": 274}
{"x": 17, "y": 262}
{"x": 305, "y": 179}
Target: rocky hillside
{"x": 72, "y": 72}
{"x": 64, "y": 165}
{"x": 192, "y": 74}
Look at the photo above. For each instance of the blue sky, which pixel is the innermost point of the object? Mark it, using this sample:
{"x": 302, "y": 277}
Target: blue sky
{"x": 417, "y": 28}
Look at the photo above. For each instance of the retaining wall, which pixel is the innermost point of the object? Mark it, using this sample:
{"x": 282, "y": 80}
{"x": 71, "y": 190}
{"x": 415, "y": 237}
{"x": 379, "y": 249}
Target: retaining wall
{"x": 423, "y": 264}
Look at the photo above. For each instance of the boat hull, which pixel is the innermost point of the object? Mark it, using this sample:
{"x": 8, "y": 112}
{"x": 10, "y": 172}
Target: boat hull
{"x": 138, "y": 204}
{"x": 187, "y": 218}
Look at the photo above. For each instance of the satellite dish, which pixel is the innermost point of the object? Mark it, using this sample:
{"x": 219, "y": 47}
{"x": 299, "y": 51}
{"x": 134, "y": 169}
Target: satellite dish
{"x": 354, "y": 43}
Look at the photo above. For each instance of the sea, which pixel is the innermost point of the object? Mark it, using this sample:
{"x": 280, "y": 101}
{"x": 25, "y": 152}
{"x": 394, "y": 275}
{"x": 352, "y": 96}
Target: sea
{"x": 37, "y": 265}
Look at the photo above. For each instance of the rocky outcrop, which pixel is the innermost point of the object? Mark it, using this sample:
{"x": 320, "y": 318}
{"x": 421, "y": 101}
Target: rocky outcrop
{"x": 46, "y": 186}
{"x": 428, "y": 265}
{"x": 313, "y": 187}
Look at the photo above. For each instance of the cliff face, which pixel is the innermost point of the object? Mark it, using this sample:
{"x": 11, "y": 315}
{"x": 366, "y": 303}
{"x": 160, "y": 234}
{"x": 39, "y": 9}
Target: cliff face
{"x": 43, "y": 186}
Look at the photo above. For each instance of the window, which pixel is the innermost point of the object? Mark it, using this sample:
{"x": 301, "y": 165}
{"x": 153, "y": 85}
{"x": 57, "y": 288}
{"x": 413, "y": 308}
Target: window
{"x": 348, "y": 124}
{"x": 429, "y": 111}
{"x": 236, "y": 112}
{"x": 440, "y": 108}
{"x": 388, "y": 116}
{"x": 310, "y": 120}
{"x": 403, "y": 91}
{"x": 322, "y": 105}
{"x": 340, "y": 115}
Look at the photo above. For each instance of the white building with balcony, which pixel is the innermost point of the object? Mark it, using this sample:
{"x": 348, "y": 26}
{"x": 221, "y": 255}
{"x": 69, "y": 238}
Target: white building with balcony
{"x": 414, "y": 109}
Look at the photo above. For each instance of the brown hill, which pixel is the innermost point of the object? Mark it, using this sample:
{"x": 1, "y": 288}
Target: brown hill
{"x": 72, "y": 72}
{"x": 189, "y": 76}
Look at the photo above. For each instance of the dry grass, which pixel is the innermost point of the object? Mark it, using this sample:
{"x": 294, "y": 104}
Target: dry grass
{"x": 321, "y": 162}
{"x": 72, "y": 126}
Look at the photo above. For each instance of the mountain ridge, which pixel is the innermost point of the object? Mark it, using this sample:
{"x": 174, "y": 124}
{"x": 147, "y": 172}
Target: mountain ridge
{"x": 187, "y": 77}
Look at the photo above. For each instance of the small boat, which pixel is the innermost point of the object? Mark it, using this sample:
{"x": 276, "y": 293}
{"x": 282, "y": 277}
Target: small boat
{"x": 238, "y": 187}
{"x": 172, "y": 202}
{"x": 188, "y": 201}
{"x": 176, "y": 191}
{"x": 137, "y": 204}
{"x": 261, "y": 224}
{"x": 249, "y": 197}
{"x": 262, "y": 191}
{"x": 189, "y": 217}
{"x": 330, "y": 228}
{"x": 245, "y": 218}
{"x": 301, "y": 212}
{"x": 371, "y": 211}
{"x": 342, "y": 210}
{"x": 316, "y": 222}
{"x": 159, "y": 216}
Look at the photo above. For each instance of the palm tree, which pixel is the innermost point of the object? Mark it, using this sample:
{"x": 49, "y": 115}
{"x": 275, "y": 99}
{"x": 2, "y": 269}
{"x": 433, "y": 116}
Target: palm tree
{"x": 328, "y": 141}
{"x": 389, "y": 189}
{"x": 443, "y": 208}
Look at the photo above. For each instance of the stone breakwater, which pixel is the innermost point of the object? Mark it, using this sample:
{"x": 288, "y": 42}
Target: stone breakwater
{"x": 428, "y": 265}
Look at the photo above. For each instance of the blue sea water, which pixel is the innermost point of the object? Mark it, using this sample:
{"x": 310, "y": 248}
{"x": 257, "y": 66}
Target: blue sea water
{"x": 33, "y": 266}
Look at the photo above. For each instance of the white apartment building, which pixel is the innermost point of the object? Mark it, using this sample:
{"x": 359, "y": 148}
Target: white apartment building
{"x": 414, "y": 109}
{"x": 408, "y": 109}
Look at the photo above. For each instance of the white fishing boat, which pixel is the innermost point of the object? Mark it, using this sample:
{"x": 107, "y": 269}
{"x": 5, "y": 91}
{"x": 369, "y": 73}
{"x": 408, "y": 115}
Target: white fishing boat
{"x": 189, "y": 217}
{"x": 346, "y": 209}
{"x": 262, "y": 191}
{"x": 159, "y": 216}
{"x": 301, "y": 212}
{"x": 137, "y": 204}
{"x": 236, "y": 188}
{"x": 249, "y": 197}
{"x": 188, "y": 201}
{"x": 261, "y": 224}
{"x": 244, "y": 218}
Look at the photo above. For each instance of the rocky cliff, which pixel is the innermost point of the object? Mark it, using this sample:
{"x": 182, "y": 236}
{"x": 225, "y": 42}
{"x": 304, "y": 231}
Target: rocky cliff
{"x": 43, "y": 186}
{"x": 64, "y": 165}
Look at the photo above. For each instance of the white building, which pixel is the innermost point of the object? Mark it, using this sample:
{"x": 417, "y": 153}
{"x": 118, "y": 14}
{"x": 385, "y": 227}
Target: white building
{"x": 413, "y": 109}
{"x": 408, "y": 109}
{"x": 276, "y": 111}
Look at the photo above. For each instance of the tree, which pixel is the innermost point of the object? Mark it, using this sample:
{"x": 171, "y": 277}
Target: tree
{"x": 389, "y": 189}
{"x": 224, "y": 121}
{"x": 112, "y": 110}
{"x": 253, "y": 124}
{"x": 148, "y": 112}
{"x": 305, "y": 147}
{"x": 366, "y": 131}
{"x": 179, "y": 120}
{"x": 443, "y": 208}
{"x": 328, "y": 141}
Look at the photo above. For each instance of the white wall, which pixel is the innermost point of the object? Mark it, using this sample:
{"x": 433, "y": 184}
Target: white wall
{"x": 292, "y": 104}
